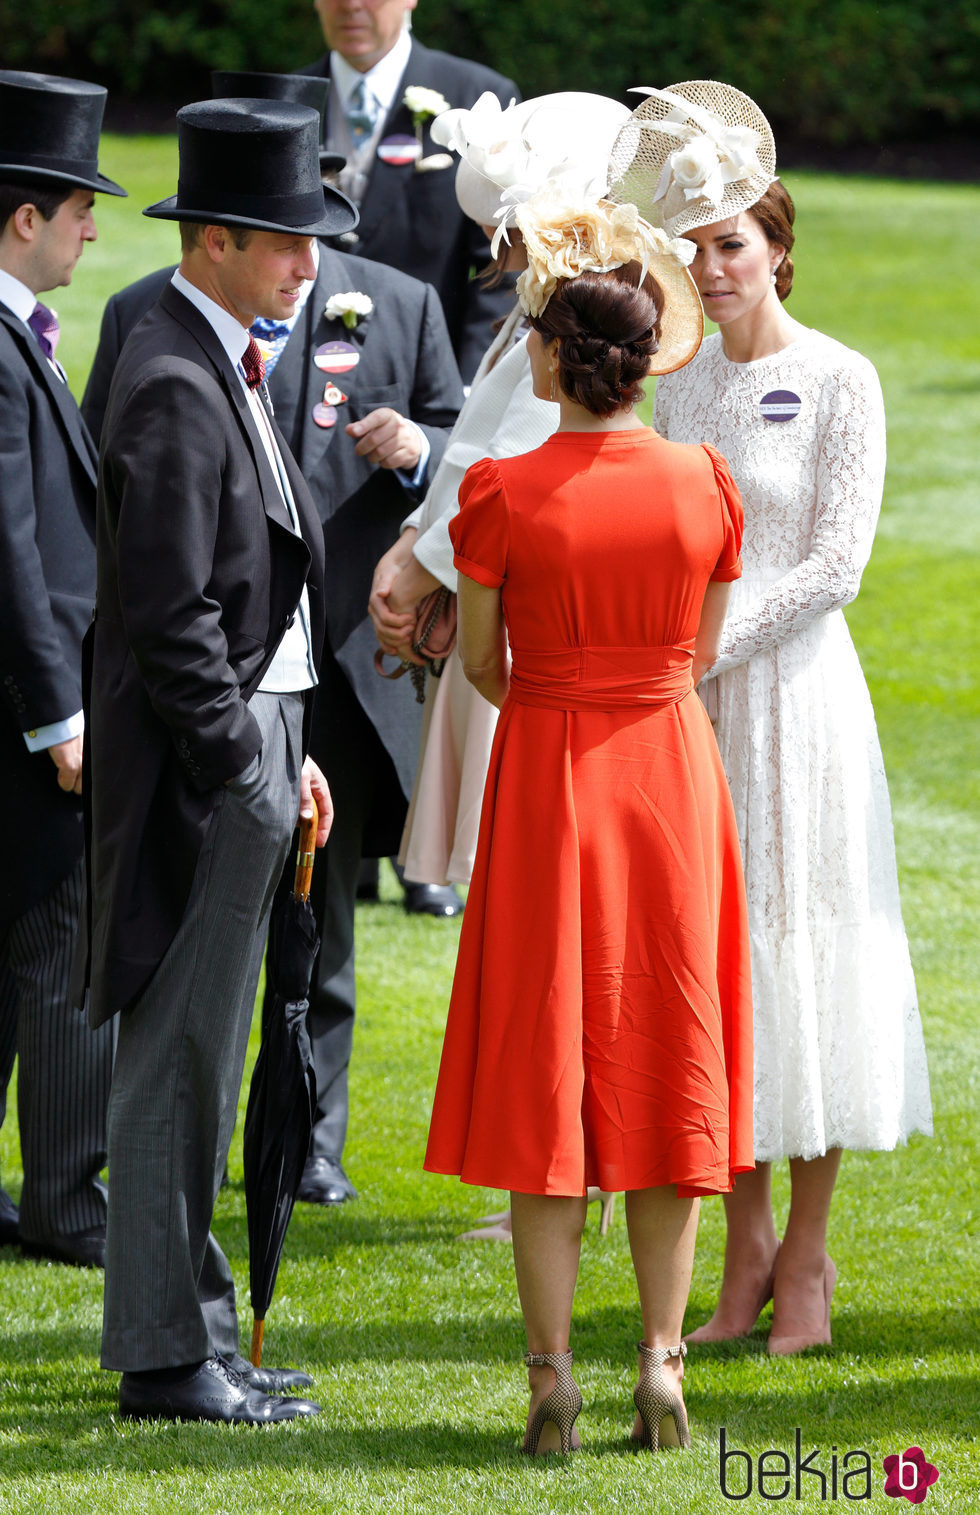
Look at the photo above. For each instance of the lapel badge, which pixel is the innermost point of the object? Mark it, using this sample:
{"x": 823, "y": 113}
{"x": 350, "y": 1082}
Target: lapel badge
{"x": 333, "y": 396}
{"x": 336, "y": 357}
{"x": 325, "y": 416}
{"x": 399, "y": 151}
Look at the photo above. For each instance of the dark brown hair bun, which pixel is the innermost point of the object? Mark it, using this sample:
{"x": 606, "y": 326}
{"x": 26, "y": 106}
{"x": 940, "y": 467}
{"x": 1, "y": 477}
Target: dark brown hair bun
{"x": 608, "y": 329}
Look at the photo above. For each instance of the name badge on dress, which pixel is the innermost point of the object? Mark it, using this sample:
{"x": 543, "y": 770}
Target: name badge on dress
{"x": 780, "y": 405}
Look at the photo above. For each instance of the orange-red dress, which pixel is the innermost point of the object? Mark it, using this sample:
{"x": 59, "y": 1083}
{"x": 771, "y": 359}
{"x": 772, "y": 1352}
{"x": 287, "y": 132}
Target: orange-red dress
{"x": 600, "y": 1028}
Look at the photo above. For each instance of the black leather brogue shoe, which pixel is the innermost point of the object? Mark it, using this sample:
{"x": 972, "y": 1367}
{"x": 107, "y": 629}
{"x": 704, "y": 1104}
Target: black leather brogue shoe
{"x": 324, "y": 1182}
{"x": 269, "y": 1380}
{"x": 211, "y": 1391}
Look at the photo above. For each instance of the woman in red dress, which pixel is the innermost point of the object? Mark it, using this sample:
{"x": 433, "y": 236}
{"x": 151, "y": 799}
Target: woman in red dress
{"x": 607, "y": 1039}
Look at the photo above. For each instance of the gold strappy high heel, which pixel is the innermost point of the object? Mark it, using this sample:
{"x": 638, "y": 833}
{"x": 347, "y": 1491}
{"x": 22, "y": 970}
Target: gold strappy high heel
{"x": 661, "y": 1410}
{"x": 551, "y": 1428}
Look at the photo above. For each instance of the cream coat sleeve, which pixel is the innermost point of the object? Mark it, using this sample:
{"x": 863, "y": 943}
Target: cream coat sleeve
{"x": 500, "y": 419}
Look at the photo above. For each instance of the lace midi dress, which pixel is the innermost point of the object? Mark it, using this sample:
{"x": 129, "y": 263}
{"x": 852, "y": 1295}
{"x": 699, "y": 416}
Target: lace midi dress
{"x": 839, "y": 1055}
{"x": 604, "y": 1036}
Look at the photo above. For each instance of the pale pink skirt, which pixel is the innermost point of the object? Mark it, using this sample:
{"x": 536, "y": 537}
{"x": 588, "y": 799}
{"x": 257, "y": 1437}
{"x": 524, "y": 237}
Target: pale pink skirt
{"x": 439, "y": 840}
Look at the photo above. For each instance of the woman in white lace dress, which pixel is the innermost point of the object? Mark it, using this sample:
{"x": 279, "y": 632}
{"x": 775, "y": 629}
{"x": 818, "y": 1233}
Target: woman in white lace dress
{"x": 839, "y": 1060}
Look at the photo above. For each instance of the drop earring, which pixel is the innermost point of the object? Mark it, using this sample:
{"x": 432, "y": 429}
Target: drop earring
{"x": 554, "y": 384}
{"x": 772, "y": 276}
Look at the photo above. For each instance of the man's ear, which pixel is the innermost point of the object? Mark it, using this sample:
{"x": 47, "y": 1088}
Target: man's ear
{"x": 215, "y": 241}
{"x": 25, "y": 221}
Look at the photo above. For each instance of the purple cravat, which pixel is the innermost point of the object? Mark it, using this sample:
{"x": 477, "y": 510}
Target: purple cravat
{"x": 44, "y": 324}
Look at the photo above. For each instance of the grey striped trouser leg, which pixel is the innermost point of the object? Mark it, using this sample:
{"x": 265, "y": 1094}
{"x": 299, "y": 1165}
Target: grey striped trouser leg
{"x": 63, "y": 1070}
{"x": 169, "y": 1296}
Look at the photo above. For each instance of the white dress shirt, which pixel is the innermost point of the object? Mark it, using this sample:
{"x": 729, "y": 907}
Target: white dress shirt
{"x": 293, "y": 667}
{"x": 381, "y": 81}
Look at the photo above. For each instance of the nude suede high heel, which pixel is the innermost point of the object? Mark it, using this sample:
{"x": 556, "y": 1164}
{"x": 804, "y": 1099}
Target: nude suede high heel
{"x": 785, "y": 1346}
{"x": 708, "y": 1332}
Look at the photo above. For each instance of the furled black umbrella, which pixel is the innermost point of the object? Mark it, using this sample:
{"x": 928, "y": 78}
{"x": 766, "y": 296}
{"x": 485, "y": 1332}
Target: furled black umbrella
{"x": 282, "y": 1097}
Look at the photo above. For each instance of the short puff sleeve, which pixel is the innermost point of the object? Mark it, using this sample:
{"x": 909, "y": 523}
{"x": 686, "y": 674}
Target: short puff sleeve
{"x": 480, "y": 534}
{"x": 729, "y": 564}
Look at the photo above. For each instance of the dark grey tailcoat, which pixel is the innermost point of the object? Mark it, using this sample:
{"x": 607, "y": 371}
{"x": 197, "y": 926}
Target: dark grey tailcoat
{"x": 47, "y": 592}
{"x": 406, "y": 362}
{"x": 199, "y": 573}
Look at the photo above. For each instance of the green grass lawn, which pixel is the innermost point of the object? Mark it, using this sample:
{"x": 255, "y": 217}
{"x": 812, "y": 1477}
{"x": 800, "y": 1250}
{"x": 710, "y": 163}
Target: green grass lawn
{"x": 414, "y": 1340}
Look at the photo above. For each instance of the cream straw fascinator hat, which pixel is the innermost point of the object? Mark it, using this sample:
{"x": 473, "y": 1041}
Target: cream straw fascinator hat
{"x": 565, "y": 237}
{"x": 508, "y": 154}
{"x": 693, "y": 154}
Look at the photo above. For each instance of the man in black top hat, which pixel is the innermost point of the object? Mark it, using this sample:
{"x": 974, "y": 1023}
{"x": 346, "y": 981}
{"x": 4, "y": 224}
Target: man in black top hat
{"x": 398, "y": 372}
{"x": 208, "y": 628}
{"x": 49, "y": 140}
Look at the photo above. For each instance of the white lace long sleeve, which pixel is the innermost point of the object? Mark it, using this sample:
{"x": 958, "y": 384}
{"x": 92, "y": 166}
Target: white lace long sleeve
{"x": 811, "y": 487}
{"x": 849, "y": 479}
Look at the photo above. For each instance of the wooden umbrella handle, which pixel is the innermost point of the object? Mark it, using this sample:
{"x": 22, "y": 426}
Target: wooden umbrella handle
{"x": 305, "y": 855}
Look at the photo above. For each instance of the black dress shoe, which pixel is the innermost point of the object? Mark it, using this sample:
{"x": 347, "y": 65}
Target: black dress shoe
{"x": 82, "y": 1249}
{"x": 213, "y": 1391}
{"x": 9, "y": 1216}
{"x": 269, "y": 1380}
{"x": 324, "y": 1182}
{"x": 432, "y": 899}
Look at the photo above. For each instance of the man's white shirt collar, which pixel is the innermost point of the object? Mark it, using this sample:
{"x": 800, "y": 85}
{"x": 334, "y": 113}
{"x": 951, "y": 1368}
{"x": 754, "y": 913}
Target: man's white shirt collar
{"x": 382, "y": 80}
{"x": 230, "y": 332}
{"x": 16, "y": 296}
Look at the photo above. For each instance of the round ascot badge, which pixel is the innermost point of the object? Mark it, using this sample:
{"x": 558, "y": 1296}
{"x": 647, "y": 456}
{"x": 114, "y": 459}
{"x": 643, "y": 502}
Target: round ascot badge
{"x": 336, "y": 357}
{"x": 398, "y": 151}
{"x": 325, "y": 415}
{"x": 780, "y": 405}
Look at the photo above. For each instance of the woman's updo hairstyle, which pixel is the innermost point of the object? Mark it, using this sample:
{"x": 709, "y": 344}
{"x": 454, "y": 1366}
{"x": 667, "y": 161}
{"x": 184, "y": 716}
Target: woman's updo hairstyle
{"x": 608, "y": 329}
{"x": 775, "y": 213}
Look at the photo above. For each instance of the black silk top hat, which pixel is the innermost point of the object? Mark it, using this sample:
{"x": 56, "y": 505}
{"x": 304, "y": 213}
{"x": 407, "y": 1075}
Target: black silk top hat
{"x": 49, "y": 130}
{"x": 253, "y": 163}
{"x": 302, "y": 89}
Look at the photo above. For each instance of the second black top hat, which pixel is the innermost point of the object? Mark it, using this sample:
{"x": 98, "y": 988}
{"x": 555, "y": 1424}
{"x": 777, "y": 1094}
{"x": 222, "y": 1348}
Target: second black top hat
{"x": 253, "y": 163}
{"x": 49, "y": 130}
{"x": 303, "y": 89}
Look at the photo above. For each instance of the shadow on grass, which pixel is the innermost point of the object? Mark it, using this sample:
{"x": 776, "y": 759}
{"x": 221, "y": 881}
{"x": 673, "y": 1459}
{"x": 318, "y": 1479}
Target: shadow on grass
{"x": 59, "y": 1440}
{"x": 866, "y": 1389}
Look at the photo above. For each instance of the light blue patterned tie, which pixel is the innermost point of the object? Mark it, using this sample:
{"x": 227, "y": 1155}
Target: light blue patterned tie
{"x": 273, "y": 335}
{"x": 361, "y": 113}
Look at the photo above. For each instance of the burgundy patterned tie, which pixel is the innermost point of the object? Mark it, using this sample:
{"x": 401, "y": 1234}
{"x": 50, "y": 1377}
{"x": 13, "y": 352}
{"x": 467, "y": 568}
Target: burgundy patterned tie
{"x": 253, "y": 365}
{"x": 44, "y": 324}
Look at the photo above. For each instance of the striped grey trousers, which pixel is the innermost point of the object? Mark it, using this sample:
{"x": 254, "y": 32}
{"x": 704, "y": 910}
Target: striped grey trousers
{"x": 169, "y": 1293}
{"x": 63, "y": 1070}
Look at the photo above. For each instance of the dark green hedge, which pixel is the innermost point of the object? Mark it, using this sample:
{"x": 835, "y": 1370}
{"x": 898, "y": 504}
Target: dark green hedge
{"x": 827, "y": 71}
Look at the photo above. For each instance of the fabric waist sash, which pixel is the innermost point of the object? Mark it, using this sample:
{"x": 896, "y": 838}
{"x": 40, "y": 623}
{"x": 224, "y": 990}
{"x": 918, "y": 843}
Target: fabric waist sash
{"x": 602, "y": 678}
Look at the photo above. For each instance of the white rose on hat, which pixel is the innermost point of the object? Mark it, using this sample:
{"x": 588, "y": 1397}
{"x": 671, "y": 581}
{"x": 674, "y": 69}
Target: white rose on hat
{"x": 696, "y": 170}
